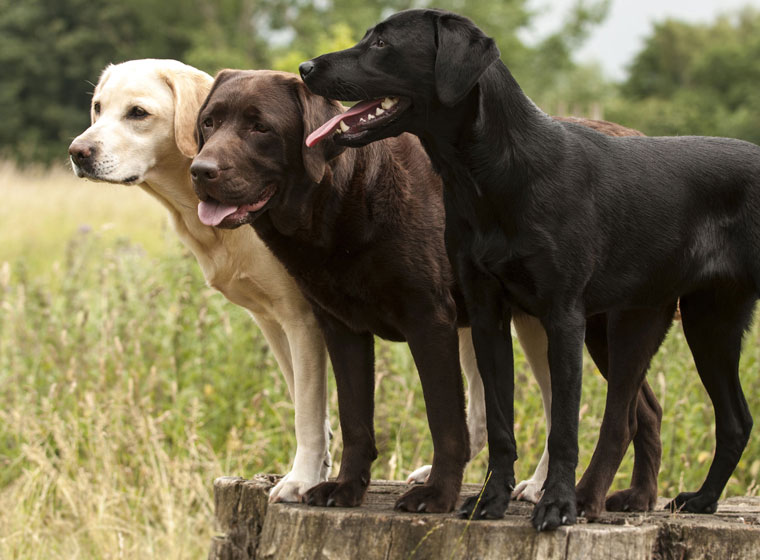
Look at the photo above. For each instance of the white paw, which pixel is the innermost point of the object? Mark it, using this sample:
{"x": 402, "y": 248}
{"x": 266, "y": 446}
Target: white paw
{"x": 419, "y": 476}
{"x": 528, "y": 491}
{"x": 291, "y": 489}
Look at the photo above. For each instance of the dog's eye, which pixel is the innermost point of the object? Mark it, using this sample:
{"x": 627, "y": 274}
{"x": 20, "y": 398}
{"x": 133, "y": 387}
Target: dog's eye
{"x": 96, "y": 108}
{"x": 137, "y": 113}
{"x": 379, "y": 43}
{"x": 258, "y": 127}
{"x": 208, "y": 122}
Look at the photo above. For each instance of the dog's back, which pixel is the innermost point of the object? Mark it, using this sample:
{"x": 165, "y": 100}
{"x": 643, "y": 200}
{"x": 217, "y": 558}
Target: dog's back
{"x": 686, "y": 205}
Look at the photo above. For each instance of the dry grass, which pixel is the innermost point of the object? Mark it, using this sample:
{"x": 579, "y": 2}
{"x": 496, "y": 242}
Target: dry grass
{"x": 43, "y": 208}
{"x": 128, "y": 386}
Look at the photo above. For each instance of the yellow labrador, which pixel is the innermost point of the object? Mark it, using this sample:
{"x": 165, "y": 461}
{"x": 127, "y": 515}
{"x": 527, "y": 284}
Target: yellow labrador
{"x": 143, "y": 133}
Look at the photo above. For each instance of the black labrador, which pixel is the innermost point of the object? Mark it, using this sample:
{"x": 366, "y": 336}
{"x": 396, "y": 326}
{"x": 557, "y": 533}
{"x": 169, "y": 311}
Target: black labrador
{"x": 562, "y": 222}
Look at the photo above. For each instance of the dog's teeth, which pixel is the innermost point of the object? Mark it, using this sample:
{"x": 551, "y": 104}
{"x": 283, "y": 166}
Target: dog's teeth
{"x": 370, "y": 117}
{"x": 343, "y": 126}
{"x": 379, "y": 111}
{"x": 388, "y": 102}
{"x": 362, "y": 120}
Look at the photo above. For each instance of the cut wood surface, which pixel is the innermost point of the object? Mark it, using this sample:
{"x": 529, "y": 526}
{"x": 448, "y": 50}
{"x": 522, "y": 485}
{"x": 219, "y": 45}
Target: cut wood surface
{"x": 252, "y": 528}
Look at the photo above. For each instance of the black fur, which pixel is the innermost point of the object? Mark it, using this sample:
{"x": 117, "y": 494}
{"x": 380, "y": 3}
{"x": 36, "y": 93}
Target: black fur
{"x": 562, "y": 222}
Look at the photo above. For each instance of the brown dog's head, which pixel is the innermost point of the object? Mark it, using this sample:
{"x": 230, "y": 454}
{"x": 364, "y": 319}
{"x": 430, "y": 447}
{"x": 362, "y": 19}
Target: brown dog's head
{"x": 251, "y": 131}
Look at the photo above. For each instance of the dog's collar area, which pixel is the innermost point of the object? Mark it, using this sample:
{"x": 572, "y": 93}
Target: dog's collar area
{"x": 363, "y": 116}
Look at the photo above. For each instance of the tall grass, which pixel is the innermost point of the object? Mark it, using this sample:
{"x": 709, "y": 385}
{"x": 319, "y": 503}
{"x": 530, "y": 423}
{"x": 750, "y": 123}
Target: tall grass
{"x": 127, "y": 386}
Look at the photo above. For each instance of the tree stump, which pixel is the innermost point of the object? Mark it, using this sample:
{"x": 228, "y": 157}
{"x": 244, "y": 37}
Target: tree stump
{"x": 252, "y": 528}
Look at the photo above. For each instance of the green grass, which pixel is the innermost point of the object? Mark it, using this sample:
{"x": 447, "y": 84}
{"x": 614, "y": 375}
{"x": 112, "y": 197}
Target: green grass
{"x": 127, "y": 386}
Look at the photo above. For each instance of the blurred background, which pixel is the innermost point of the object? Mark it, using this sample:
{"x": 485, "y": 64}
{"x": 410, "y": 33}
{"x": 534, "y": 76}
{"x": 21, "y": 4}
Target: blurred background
{"x": 672, "y": 67}
{"x": 127, "y": 385}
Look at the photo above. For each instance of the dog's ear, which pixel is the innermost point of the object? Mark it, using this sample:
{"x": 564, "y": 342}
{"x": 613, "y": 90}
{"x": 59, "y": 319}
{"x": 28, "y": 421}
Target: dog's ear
{"x": 464, "y": 53}
{"x": 315, "y": 111}
{"x": 190, "y": 87}
{"x": 221, "y": 77}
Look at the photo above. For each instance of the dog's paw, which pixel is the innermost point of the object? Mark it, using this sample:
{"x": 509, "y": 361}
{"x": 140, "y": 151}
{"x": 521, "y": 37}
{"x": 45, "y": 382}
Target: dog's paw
{"x": 420, "y": 476}
{"x": 631, "y": 499}
{"x": 338, "y": 494}
{"x": 693, "y": 502}
{"x": 528, "y": 491}
{"x": 556, "y": 507}
{"x": 588, "y": 504}
{"x": 291, "y": 489}
{"x": 428, "y": 499}
{"x": 492, "y": 503}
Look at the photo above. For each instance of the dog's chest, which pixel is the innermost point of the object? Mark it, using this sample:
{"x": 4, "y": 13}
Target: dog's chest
{"x": 348, "y": 285}
{"x": 510, "y": 263}
{"x": 246, "y": 273}
{"x": 355, "y": 299}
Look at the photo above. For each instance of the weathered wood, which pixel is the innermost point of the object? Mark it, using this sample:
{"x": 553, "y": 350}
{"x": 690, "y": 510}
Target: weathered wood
{"x": 254, "y": 529}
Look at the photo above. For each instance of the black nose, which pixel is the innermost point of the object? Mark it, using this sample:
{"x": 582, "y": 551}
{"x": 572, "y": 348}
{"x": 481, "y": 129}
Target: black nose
{"x": 82, "y": 152}
{"x": 205, "y": 170}
{"x": 305, "y": 68}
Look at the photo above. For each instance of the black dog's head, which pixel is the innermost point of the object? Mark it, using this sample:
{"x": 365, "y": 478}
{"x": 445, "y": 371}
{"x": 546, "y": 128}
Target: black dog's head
{"x": 412, "y": 61}
{"x": 251, "y": 132}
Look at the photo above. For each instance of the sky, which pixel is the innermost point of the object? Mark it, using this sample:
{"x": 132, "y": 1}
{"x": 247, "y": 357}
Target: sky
{"x": 616, "y": 41}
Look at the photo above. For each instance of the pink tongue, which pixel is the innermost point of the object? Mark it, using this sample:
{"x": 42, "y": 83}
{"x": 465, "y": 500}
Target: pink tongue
{"x": 212, "y": 213}
{"x": 330, "y": 126}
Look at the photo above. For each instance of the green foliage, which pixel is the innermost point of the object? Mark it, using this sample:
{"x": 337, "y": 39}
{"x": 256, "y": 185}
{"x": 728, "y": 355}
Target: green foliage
{"x": 128, "y": 386}
{"x": 51, "y": 51}
{"x": 696, "y": 79}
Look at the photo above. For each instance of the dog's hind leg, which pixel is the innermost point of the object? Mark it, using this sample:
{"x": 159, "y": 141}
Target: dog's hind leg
{"x": 476, "y": 399}
{"x": 353, "y": 359}
{"x": 647, "y": 449}
{"x": 435, "y": 351}
{"x": 633, "y": 336}
{"x": 714, "y": 323}
{"x": 645, "y": 425}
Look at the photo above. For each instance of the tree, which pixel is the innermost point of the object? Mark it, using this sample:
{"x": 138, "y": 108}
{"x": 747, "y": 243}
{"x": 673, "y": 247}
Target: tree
{"x": 696, "y": 79}
{"x": 49, "y": 49}
{"x": 52, "y": 50}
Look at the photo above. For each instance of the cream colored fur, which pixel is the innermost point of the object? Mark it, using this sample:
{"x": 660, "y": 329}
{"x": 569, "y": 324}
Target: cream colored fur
{"x": 157, "y": 151}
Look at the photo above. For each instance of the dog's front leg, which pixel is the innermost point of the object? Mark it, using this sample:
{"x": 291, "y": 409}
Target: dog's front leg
{"x": 476, "y": 405}
{"x": 312, "y": 462}
{"x": 353, "y": 359}
{"x": 565, "y": 331}
{"x": 435, "y": 351}
{"x": 490, "y": 317}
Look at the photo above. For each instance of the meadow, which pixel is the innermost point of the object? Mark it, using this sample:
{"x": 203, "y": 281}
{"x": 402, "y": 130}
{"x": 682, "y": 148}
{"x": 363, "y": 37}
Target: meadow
{"x": 127, "y": 385}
